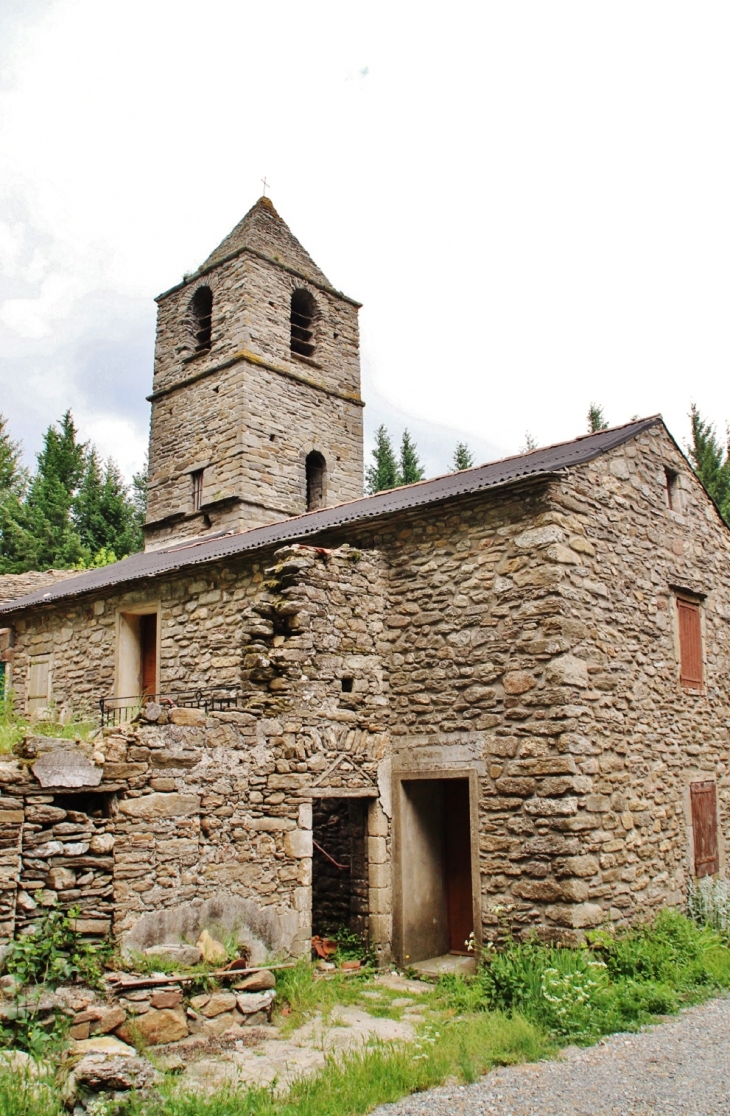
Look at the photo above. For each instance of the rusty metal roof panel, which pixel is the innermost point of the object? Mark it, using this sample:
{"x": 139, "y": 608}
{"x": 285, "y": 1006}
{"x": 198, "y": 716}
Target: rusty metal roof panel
{"x": 549, "y": 459}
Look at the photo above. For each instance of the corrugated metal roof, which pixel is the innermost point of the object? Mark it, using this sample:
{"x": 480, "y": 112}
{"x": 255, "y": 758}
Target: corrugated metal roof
{"x": 548, "y": 459}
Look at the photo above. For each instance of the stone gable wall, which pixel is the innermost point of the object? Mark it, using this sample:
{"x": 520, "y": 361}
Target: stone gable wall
{"x": 533, "y": 641}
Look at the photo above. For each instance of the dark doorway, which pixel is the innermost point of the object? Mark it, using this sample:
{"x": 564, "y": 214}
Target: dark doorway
{"x": 339, "y": 866}
{"x": 148, "y": 652}
{"x": 457, "y": 863}
{"x": 435, "y": 868}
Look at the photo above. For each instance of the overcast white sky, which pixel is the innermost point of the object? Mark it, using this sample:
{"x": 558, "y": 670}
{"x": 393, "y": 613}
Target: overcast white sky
{"x": 531, "y": 199}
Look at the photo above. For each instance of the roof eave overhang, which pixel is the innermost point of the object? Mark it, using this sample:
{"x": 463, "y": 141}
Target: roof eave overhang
{"x": 529, "y": 480}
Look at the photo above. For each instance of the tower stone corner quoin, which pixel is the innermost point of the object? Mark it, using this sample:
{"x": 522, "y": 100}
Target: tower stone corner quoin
{"x": 256, "y": 406}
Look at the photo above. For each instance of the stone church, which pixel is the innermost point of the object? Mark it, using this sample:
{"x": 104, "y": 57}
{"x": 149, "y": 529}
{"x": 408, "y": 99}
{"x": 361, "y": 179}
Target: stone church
{"x": 498, "y": 695}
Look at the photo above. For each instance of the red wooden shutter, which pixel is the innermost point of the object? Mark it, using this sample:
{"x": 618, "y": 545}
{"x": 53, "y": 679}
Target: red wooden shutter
{"x": 690, "y": 644}
{"x": 703, "y": 797}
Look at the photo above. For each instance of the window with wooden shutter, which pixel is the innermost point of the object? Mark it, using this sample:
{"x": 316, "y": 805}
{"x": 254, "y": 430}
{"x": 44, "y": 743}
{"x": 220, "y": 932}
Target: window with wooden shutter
{"x": 703, "y": 797}
{"x": 690, "y": 644}
{"x": 39, "y": 684}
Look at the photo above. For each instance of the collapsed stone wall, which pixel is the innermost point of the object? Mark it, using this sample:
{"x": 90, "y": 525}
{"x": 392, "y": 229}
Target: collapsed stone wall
{"x": 200, "y": 808}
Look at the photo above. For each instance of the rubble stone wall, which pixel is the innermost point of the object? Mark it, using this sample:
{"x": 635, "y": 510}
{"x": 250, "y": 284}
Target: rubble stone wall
{"x": 524, "y": 639}
{"x": 533, "y": 640}
{"x": 200, "y": 807}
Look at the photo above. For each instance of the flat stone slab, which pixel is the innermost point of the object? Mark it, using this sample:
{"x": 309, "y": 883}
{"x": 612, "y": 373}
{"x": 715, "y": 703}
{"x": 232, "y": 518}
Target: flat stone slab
{"x": 448, "y": 963}
{"x": 402, "y": 984}
{"x": 66, "y": 767}
{"x": 279, "y": 1061}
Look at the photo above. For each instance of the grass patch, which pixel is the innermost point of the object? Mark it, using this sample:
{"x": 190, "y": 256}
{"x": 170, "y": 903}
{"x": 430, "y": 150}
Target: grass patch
{"x": 618, "y": 983}
{"x": 24, "y": 1094}
{"x": 528, "y": 999}
{"x": 357, "y": 1083}
{"x": 14, "y": 726}
{"x": 299, "y": 996}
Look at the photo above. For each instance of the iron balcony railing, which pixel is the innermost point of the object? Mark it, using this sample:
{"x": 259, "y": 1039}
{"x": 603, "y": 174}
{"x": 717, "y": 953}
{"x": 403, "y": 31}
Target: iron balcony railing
{"x": 120, "y": 710}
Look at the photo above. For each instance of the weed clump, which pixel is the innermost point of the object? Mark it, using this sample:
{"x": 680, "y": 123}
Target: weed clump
{"x": 617, "y": 983}
{"x": 14, "y": 726}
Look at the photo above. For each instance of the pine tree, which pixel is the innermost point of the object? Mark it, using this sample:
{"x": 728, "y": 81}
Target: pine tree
{"x": 529, "y": 444}
{"x": 13, "y": 485}
{"x": 596, "y": 419}
{"x": 104, "y": 513}
{"x": 411, "y": 469}
{"x": 139, "y": 499}
{"x": 74, "y": 512}
{"x": 384, "y": 473}
{"x": 463, "y": 457}
{"x": 52, "y": 537}
{"x": 711, "y": 461}
{"x": 11, "y": 473}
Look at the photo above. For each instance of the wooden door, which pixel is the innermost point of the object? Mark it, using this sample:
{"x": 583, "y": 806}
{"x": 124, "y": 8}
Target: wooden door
{"x": 148, "y": 652}
{"x": 457, "y": 863}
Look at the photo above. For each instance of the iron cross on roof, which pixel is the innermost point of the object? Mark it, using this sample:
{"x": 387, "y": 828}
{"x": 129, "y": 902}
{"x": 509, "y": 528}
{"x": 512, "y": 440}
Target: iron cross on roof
{"x": 266, "y": 185}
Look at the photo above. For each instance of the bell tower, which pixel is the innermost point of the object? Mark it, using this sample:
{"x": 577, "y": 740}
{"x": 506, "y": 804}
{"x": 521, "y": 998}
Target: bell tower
{"x": 256, "y": 408}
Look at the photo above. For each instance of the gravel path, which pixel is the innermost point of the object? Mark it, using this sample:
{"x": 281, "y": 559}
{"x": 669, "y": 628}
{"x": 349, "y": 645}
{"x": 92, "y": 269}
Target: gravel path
{"x": 682, "y": 1066}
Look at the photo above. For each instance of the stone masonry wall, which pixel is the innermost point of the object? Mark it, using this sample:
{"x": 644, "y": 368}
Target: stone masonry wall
{"x": 533, "y": 641}
{"x": 524, "y": 637}
{"x": 202, "y": 808}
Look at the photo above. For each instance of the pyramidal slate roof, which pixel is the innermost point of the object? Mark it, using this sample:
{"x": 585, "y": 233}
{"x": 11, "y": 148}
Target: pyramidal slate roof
{"x": 264, "y": 231}
{"x": 509, "y": 470}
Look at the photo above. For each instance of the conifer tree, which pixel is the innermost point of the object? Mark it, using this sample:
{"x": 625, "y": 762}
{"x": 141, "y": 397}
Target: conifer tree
{"x": 104, "y": 513}
{"x": 596, "y": 419}
{"x": 52, "y": 538}
{"x": 13, "y": 485}
{"x": 411, "y": 469}
{"x": 74, "y": 512}
{"x": 139, "y": 500}
{"x": 711, "y": 461}
{"x": 384, "y": 472}
{"x": 463, "y": 457}
{"x": 11, "y": 473}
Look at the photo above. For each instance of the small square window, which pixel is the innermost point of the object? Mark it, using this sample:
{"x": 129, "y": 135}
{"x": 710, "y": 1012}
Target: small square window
{"x": 347, "y": 684}
{"x": 197, "y": 483}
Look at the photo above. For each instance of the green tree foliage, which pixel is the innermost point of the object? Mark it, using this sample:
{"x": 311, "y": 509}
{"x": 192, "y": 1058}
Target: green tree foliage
{"x": 383, "y": 473}
{"x": 12, "y": 476}
{"x": 139, "y": 500}
{"x": 73, "y": 512}
{"x": 711, "y": 461}
{"x": 463, "y": 457}
{"x": 13, "y": 485}
{"x": 529, "y": 444}
{"x": 411, "y": 469}
{"x": 105, "y": 515}
{"x": 596, "y": 419}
